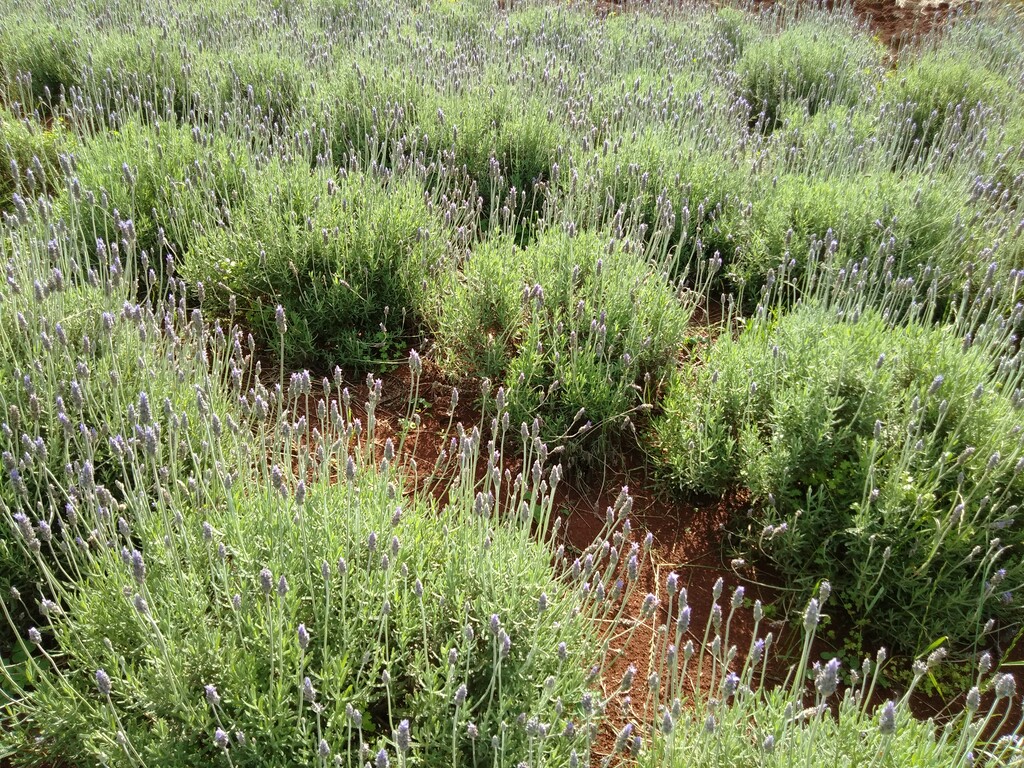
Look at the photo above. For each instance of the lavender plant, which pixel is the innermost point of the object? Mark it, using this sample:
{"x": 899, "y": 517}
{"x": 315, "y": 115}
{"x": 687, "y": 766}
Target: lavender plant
{"x": 141, "y": 70}
{"x": 161, "y": 177}
{"x": 883, "y": 457}
{"x": 582, "y": 329}
{"x": 39, "y": 62}
{"x": 812, "y": 717}
{"x": 943, "y": 91}
{"x": 29, "y": 164}
{"x": 371, "y": 113}
{"x": 505, "y": 143}
{"x": 346, "y": 255}
{"x": 917, "y": 222}
{"x": 809, "y": 61}
{"x": 271, "y": 82}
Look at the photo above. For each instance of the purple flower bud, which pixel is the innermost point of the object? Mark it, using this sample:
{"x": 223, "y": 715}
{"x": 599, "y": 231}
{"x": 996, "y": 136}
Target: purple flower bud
{"x": 649, "y": 605}
{"x": 827, "y": 678}
{"x": 973, "y": 700}
{"x": 624, "y": 737}
{"x": 811, "y": 615}
{"x": 25, "y": 527}
{"x": 266, "y": 581}
{"x": 103, "y": 682}
{"x": 402, "y": 739}
{"x": 887, "y": 719}
{"x": 138, "y": 567}
{"x": 737, "y": 597}
{"x": 354, "y": 715}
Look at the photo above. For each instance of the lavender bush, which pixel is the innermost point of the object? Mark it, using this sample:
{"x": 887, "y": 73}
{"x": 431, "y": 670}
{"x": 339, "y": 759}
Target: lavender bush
{"x": 885, "y": 457}
{"x": 28, "y": 158}
{"x": 581, "y": 327}
{"x": 347, "y": 256}
{"x": 39, "y": 61}
{"x": 815, "y": 63}
{"x": 162, "y": 178}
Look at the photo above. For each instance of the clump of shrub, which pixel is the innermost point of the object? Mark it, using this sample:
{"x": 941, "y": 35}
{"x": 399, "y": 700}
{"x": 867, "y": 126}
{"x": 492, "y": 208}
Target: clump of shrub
{"x": 911, "y": 221}
{"x": 291, "y": 626}
{"x": 144, "y": 70}
{"x": 736, "y": 28}
{"x": 813, "y": 62}
{"x": 941, "y": 90}
{"x": 644, "y": 93}
{"x": 71, "y": 369}
{"x": 345, "y": 256}
{"x": 580, "y": 327}
{"x": 29, "y": 158}
{"x": 368, "y": 113}
{"x": 831, "y": 136}
{"x": 501, "y": 140}
{"x": 164, "y": 178}
{"x": 47, "y": 53}
{"x": 274, "y": 82}
{"x": 1005, "y": 157}
{"x": 551, "y": 27}
{"x": 884, "y": 458}
{"x": 825, "y": 711}
{"x": 687, "y": 201}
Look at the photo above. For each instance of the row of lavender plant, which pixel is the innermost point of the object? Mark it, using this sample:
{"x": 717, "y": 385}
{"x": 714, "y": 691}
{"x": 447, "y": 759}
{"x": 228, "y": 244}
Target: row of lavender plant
{"x": 253, "y": 579}
{"x": 204, "y": 565}
{"x": 235, "y": 571}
